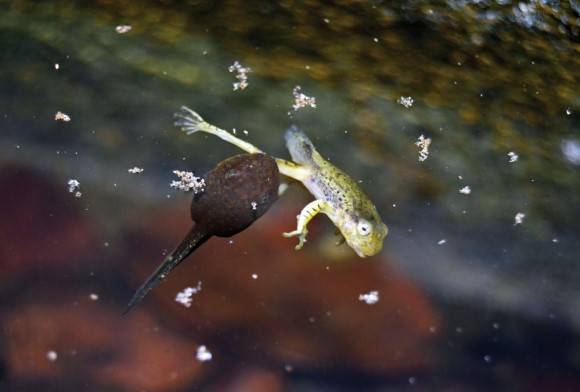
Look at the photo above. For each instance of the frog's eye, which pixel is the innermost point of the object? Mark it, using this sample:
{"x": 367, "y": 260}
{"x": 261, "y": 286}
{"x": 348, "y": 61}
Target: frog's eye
{"x": 364, "y": 227}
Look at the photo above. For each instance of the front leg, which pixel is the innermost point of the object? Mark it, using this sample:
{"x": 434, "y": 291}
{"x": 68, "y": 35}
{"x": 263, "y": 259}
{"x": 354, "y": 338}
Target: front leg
{"x": 306, "y": 215}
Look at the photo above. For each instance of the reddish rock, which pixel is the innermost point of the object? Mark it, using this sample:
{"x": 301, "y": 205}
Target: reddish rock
{"x": 302, "y": 309}
{"x": 93, "y": 343}
{"x": 41, "y": 223}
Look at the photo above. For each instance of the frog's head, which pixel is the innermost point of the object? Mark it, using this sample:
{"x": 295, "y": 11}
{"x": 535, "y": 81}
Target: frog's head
{"x": 365, "y": 235}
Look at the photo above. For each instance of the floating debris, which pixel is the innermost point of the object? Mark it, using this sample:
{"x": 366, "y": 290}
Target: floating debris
{"x": 568, "y": 111}
{"x": 302, "y": 100}
{"x": 203, "y": 355}
{"x": 441, "y": 242}
{"x": 52, "y": 356}
{"x": 74, "y": 186}
{"x": 519, "y": 218}
{"x": 56, "y": 66}
{"x": 188, "y": 181}
{"x": 122, "y": 29}
{"x": 254, "y": 276}
{"x": 242, "y": 75}
{"x": 94, "y": 297}
{"x": 466, "y": 190}
{"x": 423, "y": 144}
{"x": 136, "y": 170}
{"x": 371, "y": 298}
{"x": 185, "y": 297}
{"x": 406, "y": 101}
{"x": 254, "y": 205}
{"x": 513, "y": 157}
{"x": 60, "y": 116}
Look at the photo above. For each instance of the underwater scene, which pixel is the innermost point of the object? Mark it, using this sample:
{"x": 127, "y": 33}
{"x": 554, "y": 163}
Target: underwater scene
{"x": 267, "y": 196}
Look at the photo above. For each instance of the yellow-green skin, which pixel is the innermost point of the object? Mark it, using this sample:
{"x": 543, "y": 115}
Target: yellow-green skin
{"x": 347, "y": 204}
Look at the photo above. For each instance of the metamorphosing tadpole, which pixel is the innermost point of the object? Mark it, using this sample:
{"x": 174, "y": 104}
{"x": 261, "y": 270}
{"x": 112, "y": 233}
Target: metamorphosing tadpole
{"x": 238, "y": 191}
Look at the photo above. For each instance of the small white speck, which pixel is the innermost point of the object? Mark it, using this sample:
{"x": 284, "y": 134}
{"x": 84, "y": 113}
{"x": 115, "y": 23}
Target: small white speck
{"x": 326, "y": 20}
{"x": 254, "y": 276}
{"x": 52, "y": 356}
{"x": 231, "y": 242}
{"x": 519, "y": 218}
{"x": 423, "y": 143}
{"x": 568, "y": 111}
{"x": 203, "y": 355}
{"x": 513, "y": 157}
{"x": 371, "y": 298}
{"x": 56, "y": 66}
{"x": 571, "y": 150}
{"x": 288, "y": 368}
{"x": 60, "y": 116}
{"x": 122, "y": 29}
{"x": 555, "y": 240}
{"x": 254, "y": 205}
{"x": 188, "y": 182}
{"x": 185, "y": 297}
{"x": 241, "y": 75}
{"x": 466, "y": 190}
{"x": 487, "y": 358}
{"x": 441, "y": 242}
{"x": 74, "y": 187}
{"x": 376, "y": 39}
{"x": 245, "y": 132}
{"x": 136, "y": 170}
{"x": 302, "y": 100}
{"x": 432, "y": 329}
{"x": 94, "y": 297}
{"x": 407, "y": 102}
{"x": 412, "y": 380}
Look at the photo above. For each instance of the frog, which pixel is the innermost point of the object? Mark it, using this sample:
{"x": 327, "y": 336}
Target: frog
{"x": 336, "y": 194}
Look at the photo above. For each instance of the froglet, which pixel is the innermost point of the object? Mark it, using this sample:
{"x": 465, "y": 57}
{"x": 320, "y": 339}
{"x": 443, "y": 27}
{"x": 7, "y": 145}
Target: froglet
{"x": 336, "y": 194}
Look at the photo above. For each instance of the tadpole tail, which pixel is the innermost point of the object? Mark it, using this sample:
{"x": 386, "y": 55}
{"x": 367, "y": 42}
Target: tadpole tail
{"x": 191, "y": 242}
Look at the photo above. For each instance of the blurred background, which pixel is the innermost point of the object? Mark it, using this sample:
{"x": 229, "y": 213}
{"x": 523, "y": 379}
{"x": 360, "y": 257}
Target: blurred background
{"x": 478, "y": 281}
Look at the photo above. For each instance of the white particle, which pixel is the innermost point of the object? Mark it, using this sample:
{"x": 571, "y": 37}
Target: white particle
{"x": 188, "y": 181}
{"x": 519, "y": 218}
{"x": 185, "y": 297}
{"x": 487, "y": 358}
{"x": 52, "y": 356}
{"x": 241, "y": 75}
{"x": 254, "y": 205}
{"x": 423, "y": 144}
{"x": 441, "y": 242}
{"x": 60, "y": 116}
{"x": 136, "y": 170}
{"x": 245, "y": 132}
{"x": 254, "y": 276}
{"x": 122, "y": 29}
{"x": 412, "y": 380}
{"x": 513, "y": 157}
{"x": 94, "y": 296}
{"x": 406, "y": 101}
{"x": 302, "y": 100}
{"x": 74, "y": 186}
{"x": 371, "y": 298}
{"x": 555, "y": 240}
{"x": 466, "y": 190}
{"x": 203, "y": 355}
{"x": 56, "y": 66}
{"x": 568, "y": 111}
{"x": 326, "y": 20}
{"x": 376, "y": 39}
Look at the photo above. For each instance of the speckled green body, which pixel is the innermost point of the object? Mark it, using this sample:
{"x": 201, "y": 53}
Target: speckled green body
{"x": 348, "y": 205}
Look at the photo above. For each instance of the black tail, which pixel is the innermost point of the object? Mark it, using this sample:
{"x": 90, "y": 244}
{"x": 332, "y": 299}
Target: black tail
{"x": 191, "y": 242}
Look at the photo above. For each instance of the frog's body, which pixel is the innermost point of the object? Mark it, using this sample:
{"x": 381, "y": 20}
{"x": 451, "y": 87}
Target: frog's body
{"x": 337, "y": 195}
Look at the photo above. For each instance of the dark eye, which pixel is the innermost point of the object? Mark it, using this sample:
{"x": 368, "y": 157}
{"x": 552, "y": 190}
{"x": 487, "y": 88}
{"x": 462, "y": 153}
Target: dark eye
{"x": 364, "y": 227}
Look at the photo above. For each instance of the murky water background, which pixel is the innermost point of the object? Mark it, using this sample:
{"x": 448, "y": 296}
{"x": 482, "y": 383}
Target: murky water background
{"x": 468, "y": 299}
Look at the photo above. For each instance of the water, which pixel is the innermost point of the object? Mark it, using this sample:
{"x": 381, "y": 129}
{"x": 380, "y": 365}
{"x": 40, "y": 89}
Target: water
{"x": 481, "y": 79}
